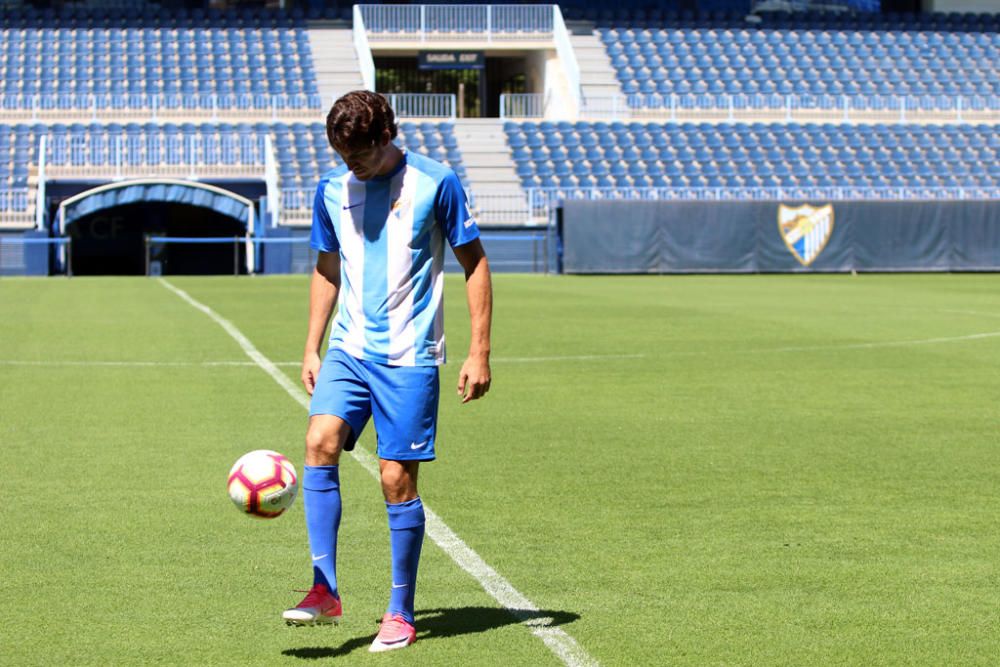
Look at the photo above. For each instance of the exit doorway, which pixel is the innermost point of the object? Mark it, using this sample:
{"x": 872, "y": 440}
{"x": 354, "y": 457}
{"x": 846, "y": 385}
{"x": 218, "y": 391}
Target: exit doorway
{"x": 477, "y": 88}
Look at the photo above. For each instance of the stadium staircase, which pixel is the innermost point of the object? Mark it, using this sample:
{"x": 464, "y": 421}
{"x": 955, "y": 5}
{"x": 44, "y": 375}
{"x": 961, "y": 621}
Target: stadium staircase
{"x": 496, "y": 190}
{"x": 334, "y": 60}
{"x": 597, "y": 77}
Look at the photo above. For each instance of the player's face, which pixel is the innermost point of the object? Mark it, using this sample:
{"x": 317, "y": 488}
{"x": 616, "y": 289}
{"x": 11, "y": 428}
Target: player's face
{"x": 366, "y": 162}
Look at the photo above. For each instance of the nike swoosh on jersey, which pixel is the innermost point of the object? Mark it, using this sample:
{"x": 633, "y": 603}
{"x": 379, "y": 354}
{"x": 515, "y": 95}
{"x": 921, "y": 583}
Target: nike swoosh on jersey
{"x": 353, "y": 206}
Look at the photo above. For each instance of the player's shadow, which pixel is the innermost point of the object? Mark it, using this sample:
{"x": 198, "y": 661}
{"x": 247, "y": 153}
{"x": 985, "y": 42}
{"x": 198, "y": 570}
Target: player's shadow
{"x": 447, "y": 622}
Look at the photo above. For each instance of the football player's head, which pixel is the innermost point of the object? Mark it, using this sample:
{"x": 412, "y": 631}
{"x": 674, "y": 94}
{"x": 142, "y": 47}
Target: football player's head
{"x": 361, "y": 126}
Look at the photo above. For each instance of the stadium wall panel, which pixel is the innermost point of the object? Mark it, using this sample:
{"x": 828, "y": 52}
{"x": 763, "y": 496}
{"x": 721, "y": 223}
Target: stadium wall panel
{"x": 748, "y": 237}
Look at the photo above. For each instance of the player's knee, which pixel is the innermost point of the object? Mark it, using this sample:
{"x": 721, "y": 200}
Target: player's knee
{"x": 323, "y": 444}
{"x": 399, "y": 484}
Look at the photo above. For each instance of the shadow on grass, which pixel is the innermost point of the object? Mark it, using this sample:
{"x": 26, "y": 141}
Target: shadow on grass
{"x": 447, "y": 622}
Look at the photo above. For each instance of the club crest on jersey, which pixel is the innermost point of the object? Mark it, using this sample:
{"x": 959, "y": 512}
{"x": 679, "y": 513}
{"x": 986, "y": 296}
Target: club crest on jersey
{"x": 396, "y": 207}
{"x": 805, "y": 230}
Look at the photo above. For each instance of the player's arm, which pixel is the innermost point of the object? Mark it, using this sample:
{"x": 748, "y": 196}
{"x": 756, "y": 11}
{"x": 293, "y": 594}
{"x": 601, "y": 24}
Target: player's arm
{"x": 474, "y": 378}
{"x": 323, "y": 292}
{"x": 325, "y": 284}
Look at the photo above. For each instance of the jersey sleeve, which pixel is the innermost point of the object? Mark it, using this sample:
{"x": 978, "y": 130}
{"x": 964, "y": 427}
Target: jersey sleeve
{"x": 451, "y": 209}
{"x": 323, "y": 236}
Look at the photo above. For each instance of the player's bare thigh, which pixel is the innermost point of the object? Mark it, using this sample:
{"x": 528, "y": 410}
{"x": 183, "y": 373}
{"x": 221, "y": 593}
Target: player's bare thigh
{"x": 325, "y": 439}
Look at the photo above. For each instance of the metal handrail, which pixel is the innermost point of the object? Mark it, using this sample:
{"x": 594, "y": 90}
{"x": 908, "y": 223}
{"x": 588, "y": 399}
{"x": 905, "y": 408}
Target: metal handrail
{"x": 456, "y": 22}
{"x": 422, "y": 105}
{"x": 122, "y": 155}
{"x": 551, "y": 195}
{"x": 522, "y": 105}
{"x": 152, "y": 106}
{"x": 14, "y": 200}
{"x": 789, "y": 105}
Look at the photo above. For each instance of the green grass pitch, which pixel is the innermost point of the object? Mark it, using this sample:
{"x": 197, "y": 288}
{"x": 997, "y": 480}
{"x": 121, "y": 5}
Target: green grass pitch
{"x": 754, "y": 470}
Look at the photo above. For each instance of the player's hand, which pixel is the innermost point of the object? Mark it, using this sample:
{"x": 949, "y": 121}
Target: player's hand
{"x": 310, "y": 371}
{"x": 474, "y": 378}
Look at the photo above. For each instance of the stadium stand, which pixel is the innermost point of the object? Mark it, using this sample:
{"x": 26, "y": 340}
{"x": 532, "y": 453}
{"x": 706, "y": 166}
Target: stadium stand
{"x": 139, "y": 91}
{"x": 94, "y": 63}
{"x": 212, "y": 149}
{"x": 713, "y": 60}
{"x": 570, "y": 157}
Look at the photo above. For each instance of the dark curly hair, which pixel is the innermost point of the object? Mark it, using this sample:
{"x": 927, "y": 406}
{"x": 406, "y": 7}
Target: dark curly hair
{"x": 358, "y": 119}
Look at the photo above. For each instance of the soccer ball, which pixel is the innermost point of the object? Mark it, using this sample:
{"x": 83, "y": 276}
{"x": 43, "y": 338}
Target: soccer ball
{"x": 263, "y": 484}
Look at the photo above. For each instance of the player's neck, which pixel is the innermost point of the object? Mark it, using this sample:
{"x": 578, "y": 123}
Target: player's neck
{"x": 393, "y": 157}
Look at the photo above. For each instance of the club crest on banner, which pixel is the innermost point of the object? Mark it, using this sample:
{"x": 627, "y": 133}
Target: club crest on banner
{"x": 805, "y": 230}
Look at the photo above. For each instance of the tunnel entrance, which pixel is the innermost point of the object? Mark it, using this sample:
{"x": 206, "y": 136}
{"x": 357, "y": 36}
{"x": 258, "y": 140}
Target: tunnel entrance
{"x": 112, "y": 241}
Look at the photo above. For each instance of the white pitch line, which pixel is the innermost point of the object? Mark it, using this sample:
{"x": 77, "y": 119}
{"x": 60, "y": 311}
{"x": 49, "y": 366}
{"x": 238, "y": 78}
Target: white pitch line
{"x": 581, "y": 357}
{"x": 571, "y": 357}
{"x": 529, "y": 360}
{"x": 123, "y": 364}
{"x": 978, "y": 313}
{"x": 559, "y": 642}
{"x": 251, "y": 364}
{"x": 889, "y": 343}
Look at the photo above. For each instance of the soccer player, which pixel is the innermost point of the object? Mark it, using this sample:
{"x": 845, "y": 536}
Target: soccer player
{"x": 379, "y": 225}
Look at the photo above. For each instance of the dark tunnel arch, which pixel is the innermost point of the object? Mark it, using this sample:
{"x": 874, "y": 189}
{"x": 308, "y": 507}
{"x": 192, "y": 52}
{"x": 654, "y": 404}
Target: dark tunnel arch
{"x": 109, "y": 223}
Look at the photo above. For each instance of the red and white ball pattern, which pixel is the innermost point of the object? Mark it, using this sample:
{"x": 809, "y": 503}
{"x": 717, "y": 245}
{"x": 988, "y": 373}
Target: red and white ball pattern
{"x": 263, "y": 484}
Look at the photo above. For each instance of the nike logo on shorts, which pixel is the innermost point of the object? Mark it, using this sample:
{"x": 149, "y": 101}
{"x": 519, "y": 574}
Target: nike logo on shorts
{"x": 418, "y": 445}
{"x": 315, "y": 558}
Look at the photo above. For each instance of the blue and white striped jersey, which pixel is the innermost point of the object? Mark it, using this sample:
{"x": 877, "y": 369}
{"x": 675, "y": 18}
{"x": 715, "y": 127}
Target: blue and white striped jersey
{"x": 390, "y": 233}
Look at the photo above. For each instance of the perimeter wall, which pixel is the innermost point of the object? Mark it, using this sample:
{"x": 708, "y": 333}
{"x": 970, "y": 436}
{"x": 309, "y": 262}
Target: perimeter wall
{"x": 758, "y": 236}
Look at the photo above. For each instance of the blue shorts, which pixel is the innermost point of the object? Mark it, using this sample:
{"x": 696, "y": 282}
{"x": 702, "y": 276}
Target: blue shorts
{"x": 403, "y": 400}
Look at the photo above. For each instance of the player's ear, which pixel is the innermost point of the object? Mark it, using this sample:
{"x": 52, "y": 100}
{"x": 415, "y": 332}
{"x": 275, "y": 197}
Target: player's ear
{"x": 386, "y": 138}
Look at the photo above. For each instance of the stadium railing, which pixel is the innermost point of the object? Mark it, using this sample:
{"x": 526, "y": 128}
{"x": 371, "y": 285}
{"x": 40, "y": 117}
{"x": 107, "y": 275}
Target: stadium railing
{"x": 191, "y": 156}
{"x": 846, "y": 108}
{"x": 422, "y": 105}
{"x": 68, "y": 107}
{"x": 458, "y": 22}
{"x": 524, "y": 249}
{"x": 536, "y": 205}
{"x": 296, "y": 206}
{"x": 501, "y": 208}
{"x": 490, "y": 208}
{"x": 13, "y": 199}
{"x": 15, "y": 209}
{"x": 242, "y": 246}
{"x": 522, "y": 105}
{"x": 543, "y": 199}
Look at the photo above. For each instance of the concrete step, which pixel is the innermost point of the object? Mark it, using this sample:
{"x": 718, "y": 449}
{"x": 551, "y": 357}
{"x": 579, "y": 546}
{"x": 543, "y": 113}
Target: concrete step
{"x": 334, "y": 58}
{"x": 600, "y": 78}
{"x": 493, "y": 166}
{"x": 597, "y": 76}
{"x": 493, "y": 181}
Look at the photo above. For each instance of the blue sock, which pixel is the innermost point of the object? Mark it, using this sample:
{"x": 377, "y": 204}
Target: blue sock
{"x": 406, "y": 534}
{"x": 321, "y": 495}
